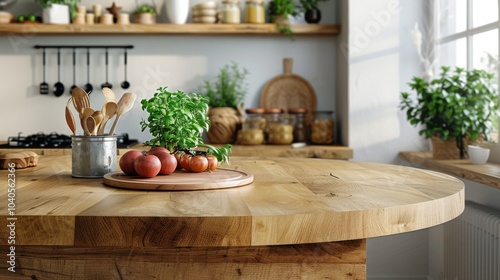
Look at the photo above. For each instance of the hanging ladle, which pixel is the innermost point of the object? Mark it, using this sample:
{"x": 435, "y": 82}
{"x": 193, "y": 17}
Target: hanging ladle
{"x": 88, "y": 87}
{"x": 106, "y": 84}
{"x": 125, "y": 84}
{"x": 58, "y": 87}
{"x": 44, "y": 87}
{"x": 74, "y": 73}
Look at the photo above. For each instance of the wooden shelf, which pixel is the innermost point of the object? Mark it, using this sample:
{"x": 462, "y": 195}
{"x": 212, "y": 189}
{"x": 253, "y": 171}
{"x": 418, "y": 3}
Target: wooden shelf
{"x": 166, "y": 29}
{"x": 487, "y": 174}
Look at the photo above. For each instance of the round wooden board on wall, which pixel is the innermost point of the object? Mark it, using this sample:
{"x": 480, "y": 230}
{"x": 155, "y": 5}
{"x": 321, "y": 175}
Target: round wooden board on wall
{"x": 289, "y": 91}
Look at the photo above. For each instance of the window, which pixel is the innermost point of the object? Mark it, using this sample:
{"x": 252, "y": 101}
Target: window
{"x": 469, "y": 38}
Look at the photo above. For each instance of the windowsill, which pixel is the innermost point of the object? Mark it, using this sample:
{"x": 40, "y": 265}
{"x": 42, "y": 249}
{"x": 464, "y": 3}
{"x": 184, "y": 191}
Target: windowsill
{"x": 487, "y": 174}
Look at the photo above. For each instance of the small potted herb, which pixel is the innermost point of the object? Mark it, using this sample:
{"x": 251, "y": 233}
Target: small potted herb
{"x": 279, "y": 11}
{"x": 145, "y": 14}
{"x": 458, "y": 106}
{"x": 225, "y": 96}
{"x": 177, "y": 121}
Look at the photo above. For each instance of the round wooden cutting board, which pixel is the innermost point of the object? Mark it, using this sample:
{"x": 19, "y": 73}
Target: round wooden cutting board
{"x": 181, "y": 180}
{"x": 289, "y": 91}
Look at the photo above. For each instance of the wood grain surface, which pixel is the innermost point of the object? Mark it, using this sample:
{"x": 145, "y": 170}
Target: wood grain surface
{"x": 310, "y": 151}
{"x": 487, "y": 174}
{"x": 291, "y": 201}
{"x": 165, "y": 29}
{"x": 299, "y": 219}
{"x": 181, "y": 180}
{"x": 333, "y": 260}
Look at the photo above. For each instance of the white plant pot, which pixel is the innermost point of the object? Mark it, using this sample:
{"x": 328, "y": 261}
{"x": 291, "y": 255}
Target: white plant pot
{"x": 56, "y": 14}
{"x": 177, "y": 11}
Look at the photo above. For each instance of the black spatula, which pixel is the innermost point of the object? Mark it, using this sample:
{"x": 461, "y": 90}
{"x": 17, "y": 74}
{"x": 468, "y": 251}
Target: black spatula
{"x": 44, "y": 87}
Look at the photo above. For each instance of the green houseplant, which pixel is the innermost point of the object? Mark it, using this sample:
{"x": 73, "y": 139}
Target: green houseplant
{"x": 278, "y": 11}
{"x": 225, "y": 96}
{"x": 177, "y": 121}
{"x": 47, "y": 4}
{"x": 145, "y": 14}
{"x": 459, "y": 105}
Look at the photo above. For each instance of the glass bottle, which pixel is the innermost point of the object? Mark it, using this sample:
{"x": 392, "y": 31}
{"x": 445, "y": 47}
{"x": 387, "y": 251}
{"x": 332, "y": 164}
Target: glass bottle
{"x": 323, "y": 128}
{"x": 231, "y": 11}
{"x": 299, "y": 124}
{"x": 255, "y": 12}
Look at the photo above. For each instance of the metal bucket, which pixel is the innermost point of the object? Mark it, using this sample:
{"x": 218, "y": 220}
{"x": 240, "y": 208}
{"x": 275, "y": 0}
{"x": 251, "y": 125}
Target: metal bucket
{"x": 93, "y": 156}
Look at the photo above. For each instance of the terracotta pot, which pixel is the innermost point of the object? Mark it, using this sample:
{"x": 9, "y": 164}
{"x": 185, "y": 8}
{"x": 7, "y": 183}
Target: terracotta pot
{"x": 224, "y": 123}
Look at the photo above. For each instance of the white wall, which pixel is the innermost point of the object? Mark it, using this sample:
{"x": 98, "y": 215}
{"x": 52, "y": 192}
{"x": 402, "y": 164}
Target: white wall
{"x": 180, "y": 62}
{"x": 382, "y": 58}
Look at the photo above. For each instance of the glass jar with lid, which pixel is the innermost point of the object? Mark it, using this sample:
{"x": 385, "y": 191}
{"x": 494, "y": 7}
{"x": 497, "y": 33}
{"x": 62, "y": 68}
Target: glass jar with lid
{"x": 255, "y": 12}
{"x": 230, "y": 11}
{"x": 254, "y": 119}
{"x": 252, "y": 130}
{"x": 323, "y": 128}
{"x": 279, "y": 130}
{"x": 299, "y": 124}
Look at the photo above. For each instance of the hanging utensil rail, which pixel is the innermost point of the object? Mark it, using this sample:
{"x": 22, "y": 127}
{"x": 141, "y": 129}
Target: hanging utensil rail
{"x": 84, "y": 47}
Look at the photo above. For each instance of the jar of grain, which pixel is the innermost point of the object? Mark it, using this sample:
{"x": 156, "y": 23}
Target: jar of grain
{"x": 323, "y": 128}
{"x": 254, "y": 119}
{"x": 252, "y": 129}
{"x": 231, "y": 11}
{"x": 279, "y": 129}
{"x": 255, "y": 12}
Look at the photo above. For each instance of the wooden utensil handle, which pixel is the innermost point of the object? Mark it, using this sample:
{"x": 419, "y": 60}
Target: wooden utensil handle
{"x": 287, "y": 65}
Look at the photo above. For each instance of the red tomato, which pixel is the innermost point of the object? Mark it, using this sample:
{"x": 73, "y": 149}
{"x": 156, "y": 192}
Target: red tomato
{"x": 154, "y": 150}
{"x": 168, "y": 163}
{"x": 127, "y": 162}
{"x": 185, "y": 159}
{"x": 147, "y": 166}
{"x": 178, "y": 158}
{"x": 213, "y": 163}
{"x": 198, "y": 163}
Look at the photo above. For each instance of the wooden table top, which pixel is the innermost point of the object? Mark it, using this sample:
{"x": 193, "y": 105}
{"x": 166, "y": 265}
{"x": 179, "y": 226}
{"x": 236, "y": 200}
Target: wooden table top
{"x": 291, "y": 201}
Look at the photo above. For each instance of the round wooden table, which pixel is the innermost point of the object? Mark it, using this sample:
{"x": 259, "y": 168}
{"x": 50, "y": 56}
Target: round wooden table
{"x": 299, "y": 218}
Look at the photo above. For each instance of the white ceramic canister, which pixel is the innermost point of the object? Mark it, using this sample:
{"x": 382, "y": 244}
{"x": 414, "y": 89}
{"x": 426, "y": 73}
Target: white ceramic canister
{"x": 93, "y": 156}
{"x": 177, "y": 11}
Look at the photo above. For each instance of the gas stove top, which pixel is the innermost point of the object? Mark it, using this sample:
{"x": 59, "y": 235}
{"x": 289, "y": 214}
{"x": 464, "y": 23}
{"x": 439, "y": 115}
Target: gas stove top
{"x": 54, "y": 140}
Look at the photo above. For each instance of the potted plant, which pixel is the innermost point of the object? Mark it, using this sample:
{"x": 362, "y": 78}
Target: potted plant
{"x": 145, "y": 14}
{"x": 311, "y": 12}
{"x": 457, "y": 107}
{"x": 58, "y": 11}
{"x": 177, "y": 121}
{"x": 279, "y": 11}
{"x": 225, "y": 96}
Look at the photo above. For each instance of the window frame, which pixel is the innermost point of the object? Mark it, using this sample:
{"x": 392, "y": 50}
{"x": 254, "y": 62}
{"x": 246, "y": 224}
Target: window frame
{"x": 468, "y": 35}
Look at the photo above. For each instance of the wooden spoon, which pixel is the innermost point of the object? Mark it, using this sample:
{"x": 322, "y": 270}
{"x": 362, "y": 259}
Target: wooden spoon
{"x": 70, "y": 120}
{"x": 86, "y": 112}
{"x": 109, "y": 110}
{"x": 125, "y": 103}
{"x": 109, "y": 94}
{"x": 98, "y": 117}
{"x": 88, "y": 125}
{"x": 80, "y": 99}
